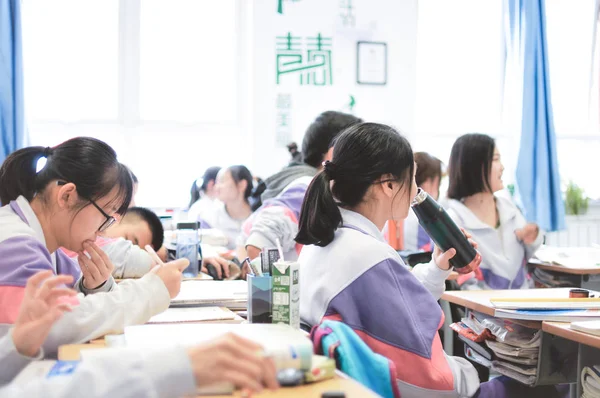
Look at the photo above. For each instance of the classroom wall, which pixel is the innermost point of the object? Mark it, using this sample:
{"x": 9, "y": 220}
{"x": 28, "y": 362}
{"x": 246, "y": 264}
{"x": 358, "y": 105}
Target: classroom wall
{"x": 281, "y": 112}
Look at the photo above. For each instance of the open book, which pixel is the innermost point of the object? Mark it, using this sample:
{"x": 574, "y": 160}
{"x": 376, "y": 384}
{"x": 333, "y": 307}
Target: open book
{"x": 570, "y": 257}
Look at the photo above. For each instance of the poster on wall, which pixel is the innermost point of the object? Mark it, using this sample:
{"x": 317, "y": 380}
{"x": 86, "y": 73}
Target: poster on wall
{"x": 306, "y": 59}
{"x": 371, "y": 63}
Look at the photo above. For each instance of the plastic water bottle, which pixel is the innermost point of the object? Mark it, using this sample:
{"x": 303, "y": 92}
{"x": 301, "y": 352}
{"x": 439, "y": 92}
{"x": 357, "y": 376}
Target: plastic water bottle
{"x": 188, "y": 247}
{"x": 445, "y": 233}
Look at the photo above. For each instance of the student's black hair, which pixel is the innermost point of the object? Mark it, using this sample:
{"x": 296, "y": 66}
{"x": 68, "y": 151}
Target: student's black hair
{"x": 362, "y": 156}
{"x": 320, "y": 134}
{"x": 156, "y": 227}
{"x": 428, "y": 167}
{"x": 255, "y": 197}
{"x": 209, "y": 175}
{"x": 194, "y": 193}
{"x": 134, "y": 177}
{"x": 241, "y": 173}
{"x": 469, "y": 166}
{"x": 88, "y": 163}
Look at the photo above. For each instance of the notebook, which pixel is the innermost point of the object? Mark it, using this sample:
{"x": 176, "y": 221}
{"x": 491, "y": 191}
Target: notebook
{"x": 192, "y": 314}
{"x": 230, "y": 294}
{"x": 546, "y": 303}
{"x": 591, "y": 327}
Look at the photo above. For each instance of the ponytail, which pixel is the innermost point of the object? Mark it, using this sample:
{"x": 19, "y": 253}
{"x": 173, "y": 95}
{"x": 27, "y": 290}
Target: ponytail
{"x": 88, "y": 163}
{"x": 320, "y": 215}
{"x": 18, "y": 173}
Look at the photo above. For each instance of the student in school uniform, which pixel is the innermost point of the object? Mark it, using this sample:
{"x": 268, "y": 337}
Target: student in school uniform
{"x": 124, "y": 242}
{"x": 428, "y": 176}
{"x": 278, "y": 217}
{"x": 73, "y": 196}
{"x": 174, "y": 372}
{"x": 204, "y": 197}
{"x": 349, "y": 273}
{"x": 233, "y": 187}
{"x": 506, "y": 240}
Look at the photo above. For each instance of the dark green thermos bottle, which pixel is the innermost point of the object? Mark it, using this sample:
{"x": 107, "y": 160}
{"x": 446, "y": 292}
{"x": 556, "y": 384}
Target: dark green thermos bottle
{"x": 445, "y": 233}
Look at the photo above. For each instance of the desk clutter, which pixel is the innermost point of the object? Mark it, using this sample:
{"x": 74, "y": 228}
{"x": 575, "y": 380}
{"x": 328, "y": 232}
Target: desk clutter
{"x": 590, "y": 382}
{"x": 508, "y": 348}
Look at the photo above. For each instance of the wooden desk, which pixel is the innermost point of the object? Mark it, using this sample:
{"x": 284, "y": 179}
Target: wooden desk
{"x": 564, "y": 330}
{"x": 587, "y": 278}
{"x": 564, "y": 270}
{"x": 588, "y": 347}
{"x": 479, "y": 300}
{"x": 551, "y": 345}
{"x": 351, "y": 388}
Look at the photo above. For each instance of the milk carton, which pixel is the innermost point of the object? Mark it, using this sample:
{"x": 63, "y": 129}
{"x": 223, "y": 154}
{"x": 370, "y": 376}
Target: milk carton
{"x": 286, "y": 293}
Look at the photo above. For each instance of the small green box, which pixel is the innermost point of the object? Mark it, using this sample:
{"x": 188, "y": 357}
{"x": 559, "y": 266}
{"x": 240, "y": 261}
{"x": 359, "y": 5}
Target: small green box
{"x": 286, "y": 293}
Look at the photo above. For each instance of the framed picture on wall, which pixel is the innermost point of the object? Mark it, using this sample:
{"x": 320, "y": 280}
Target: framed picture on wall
{"x": 371, "y": 63}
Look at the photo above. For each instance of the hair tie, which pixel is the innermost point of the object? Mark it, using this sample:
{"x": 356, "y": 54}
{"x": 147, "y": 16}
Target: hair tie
{"x": 47, "y": 151}
{"x": 329, "y": 169}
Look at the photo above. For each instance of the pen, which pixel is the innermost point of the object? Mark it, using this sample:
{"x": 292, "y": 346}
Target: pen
{"x": 153, "y": 254}
{"x": 253, "y": 267}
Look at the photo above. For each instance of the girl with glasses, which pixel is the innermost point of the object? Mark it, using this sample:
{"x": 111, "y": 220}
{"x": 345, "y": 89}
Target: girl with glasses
{"x": 64, "y": 197}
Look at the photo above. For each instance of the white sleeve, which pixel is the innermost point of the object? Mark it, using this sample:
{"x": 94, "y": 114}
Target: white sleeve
{"x": 117, "y": 373}
{"x": 107, "y": 286}
{"x": 12, "y": 362}
{"x": 130, "y": 261}
{"x": 432, "y": 277}
{"x": 466, "y": 378}
{"x": 132, "y": 302}
{"x": 272, "y": 223}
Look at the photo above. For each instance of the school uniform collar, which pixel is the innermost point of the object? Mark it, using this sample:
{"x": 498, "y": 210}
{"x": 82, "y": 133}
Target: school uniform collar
{"x": 23, "y": 209}
{"x": 354, "y": 220}
{"x": 506, "y": 213}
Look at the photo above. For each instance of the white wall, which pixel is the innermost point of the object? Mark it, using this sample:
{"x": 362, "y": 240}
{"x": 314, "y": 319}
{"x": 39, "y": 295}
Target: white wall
{"x": 393, "y": 22}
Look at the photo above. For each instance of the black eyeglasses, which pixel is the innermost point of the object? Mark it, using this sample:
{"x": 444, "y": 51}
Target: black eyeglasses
{"x": 110, "y": 220}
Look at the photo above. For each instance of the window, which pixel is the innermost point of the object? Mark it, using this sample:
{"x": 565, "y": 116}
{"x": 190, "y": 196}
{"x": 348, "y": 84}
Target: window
{"x": 460, "y": 68}
{"x": 158, "y": 80}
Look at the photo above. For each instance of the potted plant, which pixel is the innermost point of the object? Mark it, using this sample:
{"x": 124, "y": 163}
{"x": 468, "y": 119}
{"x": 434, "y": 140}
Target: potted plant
{"x": 576, "y": 203}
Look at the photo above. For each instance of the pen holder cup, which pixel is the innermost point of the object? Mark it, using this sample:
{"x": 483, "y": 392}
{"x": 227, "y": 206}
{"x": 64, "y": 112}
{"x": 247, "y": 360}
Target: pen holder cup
{"x": 260, "y": 299}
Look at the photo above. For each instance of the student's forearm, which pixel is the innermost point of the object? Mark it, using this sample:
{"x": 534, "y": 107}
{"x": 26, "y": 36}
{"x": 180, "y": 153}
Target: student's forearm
{"x": 117, "y": 373}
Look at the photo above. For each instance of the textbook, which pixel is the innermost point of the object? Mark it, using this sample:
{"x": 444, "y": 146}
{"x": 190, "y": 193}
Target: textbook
{"x": 193, "y": 314}
{"x": 591, "y": 327}
{"x": 565, "y": 315}
{"x": 569, "y": 257}
{"x": 230, "y": 294}
{"x": 551, "y": 303}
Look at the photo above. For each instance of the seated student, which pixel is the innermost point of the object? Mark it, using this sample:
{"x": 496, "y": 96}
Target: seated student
{"x": 350, "y": 274}
{"x": 233, "y": 187}
{"x": 204, "y": 197}
{"x": 506, "y": 240}
{"x": 428, "y": 177}
{"x": 124, "y": 243}
{"x": 278, "y": 217}
{"x": 74, "y": 197}
{"x": 175, "y": 372}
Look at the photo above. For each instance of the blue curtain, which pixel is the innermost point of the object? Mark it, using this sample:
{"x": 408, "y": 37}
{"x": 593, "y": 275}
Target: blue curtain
{"x": 12, "y": 118}
{"x": 538, "y": 180}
